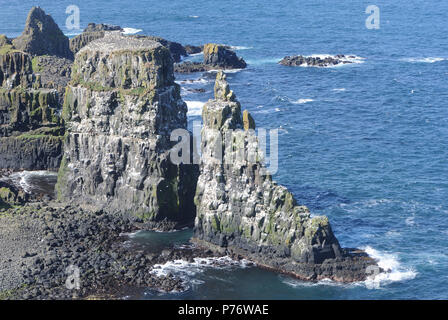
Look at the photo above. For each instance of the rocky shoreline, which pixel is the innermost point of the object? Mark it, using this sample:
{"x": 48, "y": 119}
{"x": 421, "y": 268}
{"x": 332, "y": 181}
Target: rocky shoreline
{"x": 41, "y": 240}
{"x": 100, "y": 109}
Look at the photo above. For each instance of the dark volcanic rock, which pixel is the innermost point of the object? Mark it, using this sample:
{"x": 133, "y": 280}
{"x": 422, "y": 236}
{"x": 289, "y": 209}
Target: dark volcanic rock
{"x": 216, "y": 56}
{"x": 190, "y": 67}
{"x": 221, "y": 56}
{"x": 4, "y": 40}
{"x": 93, "y": 27}
{"x": 241, "y": 211}
{"x": 190, "y": 49}
{"x": 15, "y": 70}
{"x": 315, "y": 61}
{"x": 57, "y": 238}
{"x": 121, "y": 108}
{"x": 31, "y": 152}
{"x": 42, "y": 36}
{"x": 176, "y": 49}
{"x": 10, "y": 195}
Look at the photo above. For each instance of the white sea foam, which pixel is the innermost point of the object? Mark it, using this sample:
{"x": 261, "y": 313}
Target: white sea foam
{"x": 240, "y": 48}
{"x": 194, "y": 107}
{"x": 187, "y": 270}
{"x": 302, "y": 101}
{"x": 394, "y": 271}
{"x": 257, "y": 62}
{"x": 339, "y": 89}
{"x": 424, "y": 60}
{"x": 131, "y": 30}
{"x": 353, "y": 59}
{"x": 226, "y": 71}
{"x": 194, "y": 17}
{"x": 22, "y": 178}
{"x": 194, "y": 81}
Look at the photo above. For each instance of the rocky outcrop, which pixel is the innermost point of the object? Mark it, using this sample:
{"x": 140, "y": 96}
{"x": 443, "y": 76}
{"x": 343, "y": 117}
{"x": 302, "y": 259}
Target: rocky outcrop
{"x": 316, "y": 61}
{"x": 191, "y": 49}
{"x": 241, "y": 211}
{"x": 4, "y": 40}
{"x": 190, "y": 67}
{"x": 120, "y": 108}
{"x": 42, "y": 36}
{"x": 97, "y": 31}
{"x": 216, "y": 57}
{"x": 222, "y": 57}
{"x": 10, "y": 195}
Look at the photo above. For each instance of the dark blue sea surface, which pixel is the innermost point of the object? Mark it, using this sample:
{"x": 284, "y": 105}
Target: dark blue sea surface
{"x": 365, "y": 144}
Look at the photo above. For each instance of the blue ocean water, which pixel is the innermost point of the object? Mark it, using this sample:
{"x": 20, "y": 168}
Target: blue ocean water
{"x": 365, "y": 144}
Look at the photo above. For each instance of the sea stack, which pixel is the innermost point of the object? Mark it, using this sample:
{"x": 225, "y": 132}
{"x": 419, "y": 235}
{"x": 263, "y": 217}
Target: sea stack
{"x": 242, "y": 212}
{"x": 42, "y": 36}
{"x": 120, "y": 108}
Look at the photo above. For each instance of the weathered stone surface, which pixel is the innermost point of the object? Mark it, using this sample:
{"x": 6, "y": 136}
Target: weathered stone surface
{"x": 176, "y": 49}
{"x": 220, "y": 56}
{"x": 4, "y": 40}
{"x": 248, "y": 121}
{"x": 91, "y": 33}
{"x": 11, "y": 195}
{"x": 190, "y": 49}
{"x": 42, "y": 36}
{"x": 120, "y": 108}
{"x": 31, "y": 152}
{"x": 52, "y": 72}
{"x": 241, "y": 211}
{"x": 15, "y": 70}
{"x": 216, "y": 57}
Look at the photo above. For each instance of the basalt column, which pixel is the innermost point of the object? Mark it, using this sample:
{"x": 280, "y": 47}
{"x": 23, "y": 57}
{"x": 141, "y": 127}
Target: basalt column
{"x": 120, "y": 108}
{"x": 241, "y": 211}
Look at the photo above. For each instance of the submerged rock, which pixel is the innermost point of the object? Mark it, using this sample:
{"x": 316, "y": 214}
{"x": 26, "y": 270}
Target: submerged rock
{"x": 241, "y": 211}
{"x": 42, "y": 36}
{"x": 120, "y": 108}
{"x": 316, "y": 61}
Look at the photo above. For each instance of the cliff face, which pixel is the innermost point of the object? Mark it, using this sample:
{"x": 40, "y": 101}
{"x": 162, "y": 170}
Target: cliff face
{"x": 242, "y": 211}
{"x": 120, "y": 109}
{"x": 30, "y": 128}
{"x": 34, "y": 69}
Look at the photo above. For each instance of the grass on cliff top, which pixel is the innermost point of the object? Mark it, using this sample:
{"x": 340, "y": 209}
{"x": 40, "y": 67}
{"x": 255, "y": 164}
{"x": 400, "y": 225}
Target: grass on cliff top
{"x": 8, "y": 49}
